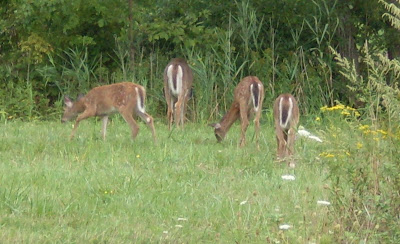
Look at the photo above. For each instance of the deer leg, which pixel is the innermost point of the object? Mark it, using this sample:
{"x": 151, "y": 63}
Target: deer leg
{"x": 280, "y": 138}
{"x": 149, "y": 122}
{"x": 178, "y": 111}
{"x": 131, "y": 122}
{"x": 104, "y": 126}
{"x": 86, "y": 114}
{"x": 244, "y": 122}
{"x": 257, "y": 127}
{"x": 170, "y": 104}
{"x": 182, "y": 114}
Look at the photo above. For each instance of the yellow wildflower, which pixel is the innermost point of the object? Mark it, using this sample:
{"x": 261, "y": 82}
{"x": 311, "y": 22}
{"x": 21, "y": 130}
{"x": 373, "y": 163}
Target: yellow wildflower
{"x": 326, "y": 155}
{"x": 345, "y": 112}
{"x": 317, "y": 119}
{"x": 359, "y": 145}
{"x": 382, "y": 132}
{"x": 138, "y": 156}
{"x": 348, "y": 153}
{"x": 363, "y": 127}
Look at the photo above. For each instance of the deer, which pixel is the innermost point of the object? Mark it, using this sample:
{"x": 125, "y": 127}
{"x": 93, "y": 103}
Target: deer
{"x": 247, "y": 101}
{"x": 126, "y": 98}
{"x": 178, "y": 80}
{"x": 286, "y": 117}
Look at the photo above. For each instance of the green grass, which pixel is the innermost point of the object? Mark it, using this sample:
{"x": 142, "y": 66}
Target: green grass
{"x": 123, "y": 190}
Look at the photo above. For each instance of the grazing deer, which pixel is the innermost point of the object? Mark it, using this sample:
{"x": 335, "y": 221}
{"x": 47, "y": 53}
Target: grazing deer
{"x": 286, "y": 116}
{"x": 178, "y": 79}
{"x": 248, "y": 98}
{"x": 126, "y": 98}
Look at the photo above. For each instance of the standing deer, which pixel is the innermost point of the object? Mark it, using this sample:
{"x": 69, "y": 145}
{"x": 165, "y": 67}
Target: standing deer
{"x": 178, "y": 79}
{"x": 248, "y": 98}
{"x": 126, "y": 98}
{"x": 286, "y": 116}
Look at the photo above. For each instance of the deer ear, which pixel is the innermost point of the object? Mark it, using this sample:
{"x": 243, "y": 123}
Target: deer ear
{"x": 68, "y": 102}
{"x": 215, "y": 125}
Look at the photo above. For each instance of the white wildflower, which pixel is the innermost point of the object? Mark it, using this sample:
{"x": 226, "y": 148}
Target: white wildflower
{"x": 288, "y": 177}
{"x": 303, "y": 133}
{"x": 182, "y": 219}
{"x": 178, "y": 226}
{"x": 326, "y": 203}
{"x": 243, "y": 203}
{"x": 165, "y": 232}
{"x": 284, "y": 227}
{"x": 315, "y": 138}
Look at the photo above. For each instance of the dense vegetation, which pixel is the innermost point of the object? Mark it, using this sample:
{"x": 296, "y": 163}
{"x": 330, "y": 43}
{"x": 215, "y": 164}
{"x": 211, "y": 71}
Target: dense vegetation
{"x": 52, "y": 48}
{"x": 339, "y": 58}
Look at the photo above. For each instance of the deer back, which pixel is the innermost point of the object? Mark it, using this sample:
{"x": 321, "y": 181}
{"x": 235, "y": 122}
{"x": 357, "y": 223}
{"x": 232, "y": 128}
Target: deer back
{"x": 251, "y": 91}
{"x": 286, "y": 111}
{"x": 178, "y": 76}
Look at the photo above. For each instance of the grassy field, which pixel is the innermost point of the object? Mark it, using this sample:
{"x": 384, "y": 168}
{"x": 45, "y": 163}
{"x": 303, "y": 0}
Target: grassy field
{"x": 185, "y": 189}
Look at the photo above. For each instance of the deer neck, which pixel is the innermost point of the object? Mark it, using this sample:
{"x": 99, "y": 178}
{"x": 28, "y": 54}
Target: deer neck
{"x": 230, "y": 117}
{"x": 79, "y": 106}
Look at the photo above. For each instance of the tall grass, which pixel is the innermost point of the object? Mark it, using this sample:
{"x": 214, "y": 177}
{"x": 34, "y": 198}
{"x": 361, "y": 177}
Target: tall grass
{"x": 188, "y": 188}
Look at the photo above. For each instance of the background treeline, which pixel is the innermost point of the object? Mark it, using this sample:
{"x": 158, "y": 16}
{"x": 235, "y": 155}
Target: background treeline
{"x": 49, "y": 48}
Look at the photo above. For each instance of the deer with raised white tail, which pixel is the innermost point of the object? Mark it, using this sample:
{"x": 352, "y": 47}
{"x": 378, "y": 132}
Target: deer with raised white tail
{"x": 286, "y": 116}
{"x": 178, "y": 80}
{"x": 248, "y": 99}
{"x": 126, "y": 98}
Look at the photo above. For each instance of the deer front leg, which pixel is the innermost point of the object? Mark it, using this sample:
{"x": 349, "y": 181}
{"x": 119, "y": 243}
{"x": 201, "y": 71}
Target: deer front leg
{"x": 86, "y": 114}
{"x": 244, "y": 123}
{"x": 149, "y": 122}
{"x": 104, "y": 126}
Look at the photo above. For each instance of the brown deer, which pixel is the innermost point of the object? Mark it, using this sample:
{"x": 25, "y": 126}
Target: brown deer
{"x": 178, "y": 79}
{"x": 126, "y": 98}
{"x": 286, "y": 116}
{"x": 248, "y": 99}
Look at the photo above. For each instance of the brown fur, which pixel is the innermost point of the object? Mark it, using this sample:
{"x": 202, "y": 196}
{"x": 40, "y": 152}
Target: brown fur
{"x": 105, "y": 100}
{"x": 242, "y": 108}
{"x": 285, "y": 136}
{"x": 177, "y": 104}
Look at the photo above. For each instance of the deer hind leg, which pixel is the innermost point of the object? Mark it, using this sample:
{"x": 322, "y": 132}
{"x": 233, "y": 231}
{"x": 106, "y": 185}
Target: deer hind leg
{"x": 86, "y": 114}
{"x": 257, "y": 127}
{"x": 104, "y": 126}
{"x": 178, "y": 111}
{"x": 281, "y": 141}
{"x": 244, "y": 123}
{"x": 149, "y": 122}
{"x": 127, "y": 115}
{"x": 170, "y": 107}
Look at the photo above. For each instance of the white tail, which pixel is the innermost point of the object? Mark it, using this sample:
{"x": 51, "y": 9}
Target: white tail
{"x": 126, "y": 98}
{"x": 178, "y": 80}
{"x": 286, "y": 115}
{"x": 248, "y": 98}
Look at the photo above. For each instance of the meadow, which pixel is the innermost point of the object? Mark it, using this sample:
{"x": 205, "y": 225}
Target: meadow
{"x": 187, "y": 188}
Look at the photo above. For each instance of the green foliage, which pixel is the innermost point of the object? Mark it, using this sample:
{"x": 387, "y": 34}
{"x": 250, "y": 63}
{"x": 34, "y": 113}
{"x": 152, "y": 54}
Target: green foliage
{"x": 364, "y": 171}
